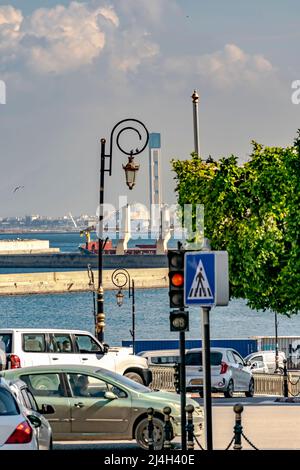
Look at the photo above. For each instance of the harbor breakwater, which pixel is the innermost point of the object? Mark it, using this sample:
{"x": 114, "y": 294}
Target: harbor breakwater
{"x": 75, "y": 281}
{"x": 80, "y": 261}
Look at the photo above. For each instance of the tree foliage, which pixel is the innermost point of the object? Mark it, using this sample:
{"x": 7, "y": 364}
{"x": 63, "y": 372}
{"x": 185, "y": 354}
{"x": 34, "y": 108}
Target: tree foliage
{"x": 252, "y": 211}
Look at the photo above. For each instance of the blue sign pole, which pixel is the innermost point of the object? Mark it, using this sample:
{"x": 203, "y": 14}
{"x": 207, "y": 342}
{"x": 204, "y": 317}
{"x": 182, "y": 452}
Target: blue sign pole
{"x": 200, "y": 289}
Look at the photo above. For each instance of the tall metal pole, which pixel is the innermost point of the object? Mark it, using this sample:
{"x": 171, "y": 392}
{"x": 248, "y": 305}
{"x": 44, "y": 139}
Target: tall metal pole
{"x": 182, "y": 389}
{"x": 100, "y": 295}
{"x": 195, "y": 99}
{"x": 207, "y": 378}
{"x": 130, "y": 170}
{"x": 276, "y": 345}
{"x": 133, "y": 316}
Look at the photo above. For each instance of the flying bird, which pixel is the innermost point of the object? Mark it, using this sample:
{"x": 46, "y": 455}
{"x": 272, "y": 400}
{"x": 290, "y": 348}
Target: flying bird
{"x": 17, "y": 188}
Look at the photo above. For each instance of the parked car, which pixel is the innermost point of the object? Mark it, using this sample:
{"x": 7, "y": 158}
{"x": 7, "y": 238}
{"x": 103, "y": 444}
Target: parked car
{"x": 2, "y": 355}
{"x": 29, "y": 347}
{"x": 229, "y": 372}
{"x": 263, "y": 362}
{"x": 97, "y": 404}
{"x": 35, "y": 414}
{"x": 161, "y": 357}
{"x": 17, "y": 432}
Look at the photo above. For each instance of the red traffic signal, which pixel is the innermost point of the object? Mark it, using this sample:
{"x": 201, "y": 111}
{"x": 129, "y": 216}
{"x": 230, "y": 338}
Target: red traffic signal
{"x": 176, "y": 278}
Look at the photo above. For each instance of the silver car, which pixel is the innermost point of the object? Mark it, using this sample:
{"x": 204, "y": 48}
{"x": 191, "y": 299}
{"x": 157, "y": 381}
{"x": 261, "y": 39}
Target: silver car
{"x": 229, "y": 372}
{"x": 39, "y": 423}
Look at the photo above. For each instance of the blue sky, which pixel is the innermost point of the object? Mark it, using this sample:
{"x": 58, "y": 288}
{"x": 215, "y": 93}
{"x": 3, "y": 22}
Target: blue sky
{"x": 73, "y": 69}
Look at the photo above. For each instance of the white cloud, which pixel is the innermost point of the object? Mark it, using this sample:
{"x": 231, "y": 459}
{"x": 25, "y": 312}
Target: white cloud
{"x": 10, "y": 35}
{"x": 133, "y": 48}
{"x": 223, "y": 68}
{"x": 57, "y": 39}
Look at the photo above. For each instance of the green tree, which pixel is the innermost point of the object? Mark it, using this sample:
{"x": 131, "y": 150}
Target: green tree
{"x": 252, "y": 211}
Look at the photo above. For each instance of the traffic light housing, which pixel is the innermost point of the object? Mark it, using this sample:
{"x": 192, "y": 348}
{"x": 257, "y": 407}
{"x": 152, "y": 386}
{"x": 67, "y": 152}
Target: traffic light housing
{"x": 177, "y": 377}
{"x": 176, "y": 278}
{"x": 179, "y": 320}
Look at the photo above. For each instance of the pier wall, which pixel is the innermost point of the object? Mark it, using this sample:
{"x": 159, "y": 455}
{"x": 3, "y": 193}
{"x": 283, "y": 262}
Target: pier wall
{"x": 75, "y": 281}
{"x": 77, "y": 261}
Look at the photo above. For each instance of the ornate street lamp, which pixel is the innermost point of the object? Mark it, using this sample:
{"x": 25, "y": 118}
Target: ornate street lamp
{"x": 141, "y": 132}
{"x": 120, "y": 298}
{"x": 131, "y": 170}
{"x": 120, "y": 278}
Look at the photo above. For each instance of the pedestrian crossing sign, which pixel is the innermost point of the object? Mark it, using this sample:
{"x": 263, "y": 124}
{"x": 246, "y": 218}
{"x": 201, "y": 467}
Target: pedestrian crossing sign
{"x": 200, "y": 279}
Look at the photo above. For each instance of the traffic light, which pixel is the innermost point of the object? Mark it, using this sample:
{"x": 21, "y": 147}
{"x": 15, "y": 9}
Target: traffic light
{"x": 176, "y": 278}
{"x": 177, "y": 377}
{"x": 179, "y": 320}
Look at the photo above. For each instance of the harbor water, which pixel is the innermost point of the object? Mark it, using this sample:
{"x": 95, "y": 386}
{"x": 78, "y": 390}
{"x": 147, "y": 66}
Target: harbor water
{"x": 75, "y": 310}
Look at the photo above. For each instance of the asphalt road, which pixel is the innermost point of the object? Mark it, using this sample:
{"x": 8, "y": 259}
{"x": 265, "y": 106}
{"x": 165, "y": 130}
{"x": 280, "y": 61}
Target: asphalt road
{"x": 268, "y": 424}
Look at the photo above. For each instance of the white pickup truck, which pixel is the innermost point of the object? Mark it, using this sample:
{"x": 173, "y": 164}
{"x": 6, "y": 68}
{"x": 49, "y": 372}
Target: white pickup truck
{"x": 29, "y": 347}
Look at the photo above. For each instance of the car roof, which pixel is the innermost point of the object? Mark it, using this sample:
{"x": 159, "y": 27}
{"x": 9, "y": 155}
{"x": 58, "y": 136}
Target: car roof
{"x": 42, "y": 330}
{"x": 81, "y": 368}
{"x": 215, "y": 349}
{"x": 160, "y": 352}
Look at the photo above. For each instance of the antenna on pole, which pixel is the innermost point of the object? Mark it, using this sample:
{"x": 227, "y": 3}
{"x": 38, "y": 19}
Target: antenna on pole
{"x": 195, "y": 99}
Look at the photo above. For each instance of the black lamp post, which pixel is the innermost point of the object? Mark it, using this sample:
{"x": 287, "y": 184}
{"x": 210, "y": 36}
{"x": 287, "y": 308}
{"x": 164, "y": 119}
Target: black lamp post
{"x": 276, "y": 345}
{"x": 120, "y": 278}
{"x": 130, "y": 169}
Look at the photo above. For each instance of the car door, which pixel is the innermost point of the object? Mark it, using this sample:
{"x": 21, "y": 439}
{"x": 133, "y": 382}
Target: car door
{"x": 258, "y": 365}
{"x": 42, "y": 432}
{"x": 34, "y": 349}
{"x": 49, "y": 388}
{"x": 94, "y": 414}
{"x": 242, "y": 374}
{"x": 62, "y": 349}
{"x": 90, "y": 352}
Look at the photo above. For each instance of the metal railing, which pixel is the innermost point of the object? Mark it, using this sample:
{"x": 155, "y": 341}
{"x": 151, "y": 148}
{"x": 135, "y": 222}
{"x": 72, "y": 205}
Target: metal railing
{"x": 265, "y": 384}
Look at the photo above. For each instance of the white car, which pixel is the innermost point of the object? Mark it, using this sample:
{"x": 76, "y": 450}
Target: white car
{"x": 30, "y": 347}
{"x": 229, "y": 372}
{"x": 263, "y": 362}
{"x": 162, "y": 357}
{"x": 16, "y": 431}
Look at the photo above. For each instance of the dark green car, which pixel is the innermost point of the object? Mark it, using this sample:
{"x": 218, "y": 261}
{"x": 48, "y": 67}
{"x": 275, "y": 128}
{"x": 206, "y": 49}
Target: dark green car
{"x": 97, "y": 404}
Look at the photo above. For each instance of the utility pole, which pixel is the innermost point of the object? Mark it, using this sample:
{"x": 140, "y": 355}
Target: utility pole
{"x": 195, "y": 99}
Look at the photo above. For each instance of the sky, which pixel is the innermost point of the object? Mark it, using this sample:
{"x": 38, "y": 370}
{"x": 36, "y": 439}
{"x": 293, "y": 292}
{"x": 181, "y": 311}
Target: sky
{"x": 73, "y": 69}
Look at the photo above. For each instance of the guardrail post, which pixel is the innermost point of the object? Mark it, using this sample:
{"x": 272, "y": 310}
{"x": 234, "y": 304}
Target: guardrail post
{"x": 168, "y": 429}
{"x": 150, "y": 412}
{"x": 285, "y": 379}
{"x": 238, "y": 428}
{"x": 190, "y": 427}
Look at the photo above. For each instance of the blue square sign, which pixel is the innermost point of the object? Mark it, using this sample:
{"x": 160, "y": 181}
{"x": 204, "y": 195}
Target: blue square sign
{"x": 199, "y": 279}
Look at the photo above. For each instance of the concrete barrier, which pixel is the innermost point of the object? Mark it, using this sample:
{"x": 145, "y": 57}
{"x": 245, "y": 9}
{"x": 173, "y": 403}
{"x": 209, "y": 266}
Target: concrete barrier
{"x": 75, "y": 281}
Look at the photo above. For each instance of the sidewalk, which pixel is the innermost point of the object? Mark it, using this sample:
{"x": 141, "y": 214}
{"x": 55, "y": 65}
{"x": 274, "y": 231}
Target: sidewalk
{"x": 268, "y": 427}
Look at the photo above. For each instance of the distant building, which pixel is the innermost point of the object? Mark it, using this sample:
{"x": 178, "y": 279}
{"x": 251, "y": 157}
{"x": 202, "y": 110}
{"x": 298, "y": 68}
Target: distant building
{"x": 155, "y": 168}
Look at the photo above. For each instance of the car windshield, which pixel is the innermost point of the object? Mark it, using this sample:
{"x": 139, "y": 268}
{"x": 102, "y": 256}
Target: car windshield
{"x": 8, "y": 406}
{"x": 124, "y": 381}
{"x": 195, "y": 358}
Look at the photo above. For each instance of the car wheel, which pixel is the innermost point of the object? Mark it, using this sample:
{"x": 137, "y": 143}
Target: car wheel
{"x": 135, "y": 377}
{"x": 250, "y": 392}
{"x": 141, "y": 434}
{"x": 230, "y": 390}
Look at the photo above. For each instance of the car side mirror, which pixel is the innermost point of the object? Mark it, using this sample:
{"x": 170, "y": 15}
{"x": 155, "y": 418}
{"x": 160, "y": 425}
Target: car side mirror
{"x": 110, "y": 395}
{"x": 253, "y": 365}
{"x": 105, "y": 348}
{"x": 35, "y": 421}
{"x": 47, "y": 409}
